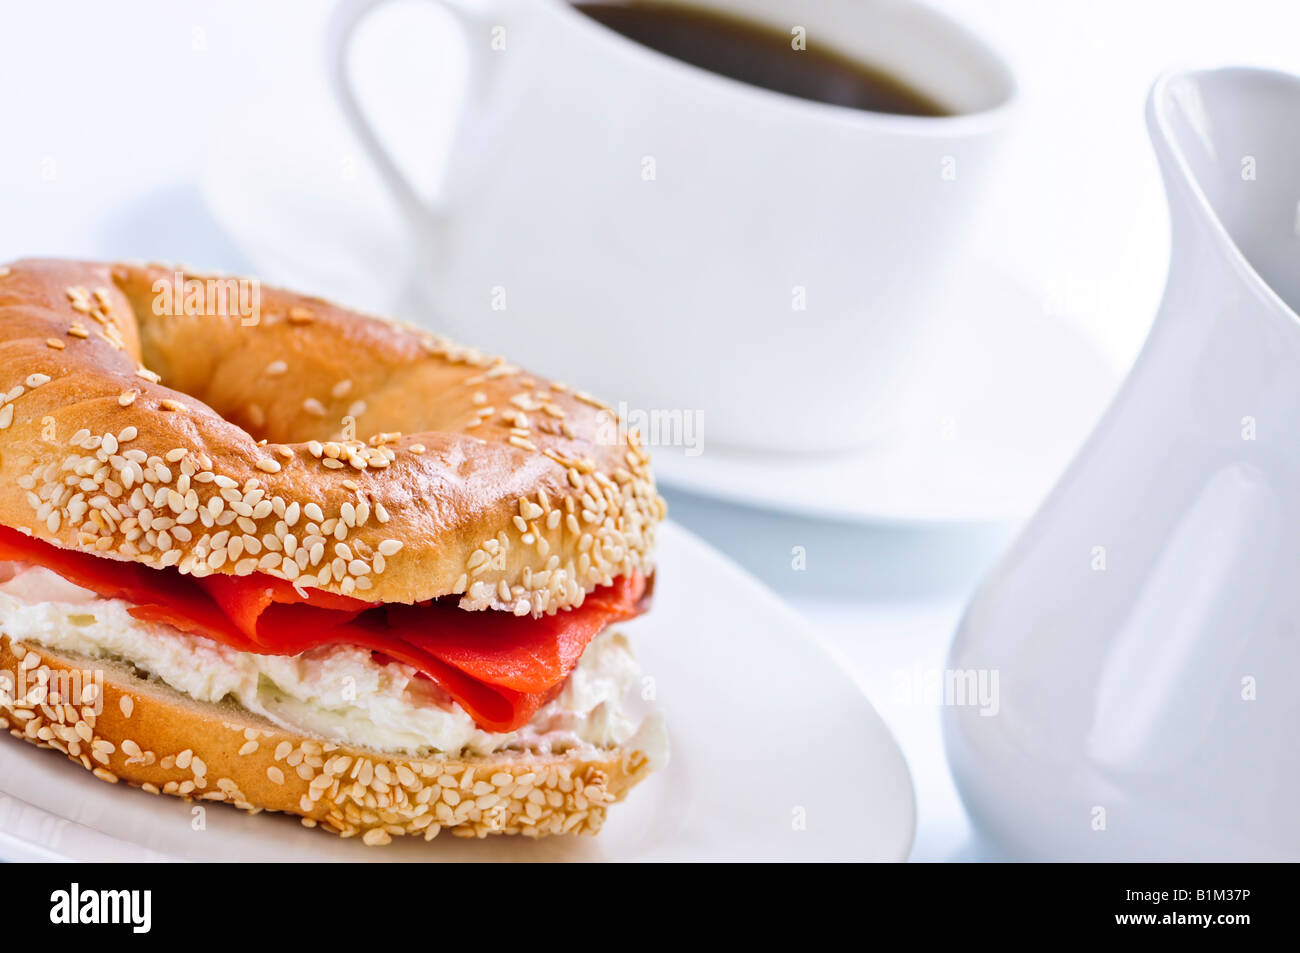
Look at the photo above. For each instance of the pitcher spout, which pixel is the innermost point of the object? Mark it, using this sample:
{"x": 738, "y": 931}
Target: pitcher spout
{"x": 1230, "y": 161}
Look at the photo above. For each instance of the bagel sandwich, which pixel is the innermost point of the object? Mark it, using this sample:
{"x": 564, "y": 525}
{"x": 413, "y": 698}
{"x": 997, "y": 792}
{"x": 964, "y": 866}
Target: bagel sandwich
{"x": 262, "y": 550}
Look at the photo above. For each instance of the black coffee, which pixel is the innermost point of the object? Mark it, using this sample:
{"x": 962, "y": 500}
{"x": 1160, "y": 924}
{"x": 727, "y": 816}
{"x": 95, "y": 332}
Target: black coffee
{"x": 761, "y": 56}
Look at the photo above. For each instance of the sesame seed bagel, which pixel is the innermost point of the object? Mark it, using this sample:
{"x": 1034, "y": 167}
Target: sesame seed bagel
{"x": 144, "y": 733}
{"x": 339, "y": 451}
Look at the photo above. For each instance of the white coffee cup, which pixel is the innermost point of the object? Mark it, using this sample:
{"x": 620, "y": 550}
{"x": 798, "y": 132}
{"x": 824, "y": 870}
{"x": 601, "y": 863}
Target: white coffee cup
{"x": 673, "y": 240}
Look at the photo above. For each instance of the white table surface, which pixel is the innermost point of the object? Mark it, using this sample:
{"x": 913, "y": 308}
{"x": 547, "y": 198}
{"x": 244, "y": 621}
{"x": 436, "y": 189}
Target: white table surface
{"x": 110, "y": 112}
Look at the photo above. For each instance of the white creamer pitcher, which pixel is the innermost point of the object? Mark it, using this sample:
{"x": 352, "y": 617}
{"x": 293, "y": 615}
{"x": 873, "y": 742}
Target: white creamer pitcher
{"x": 1145, "y": 628}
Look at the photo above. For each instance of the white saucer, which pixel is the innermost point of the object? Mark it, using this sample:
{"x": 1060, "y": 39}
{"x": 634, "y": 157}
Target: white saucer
{"x": 1004, "y": 398}
{"x": 776, "y": 755}
{"x": 994, "y": 416}
{"x": 303, "y": 204}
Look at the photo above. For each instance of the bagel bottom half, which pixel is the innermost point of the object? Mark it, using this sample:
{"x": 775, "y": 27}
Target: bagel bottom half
{"x": 139, "y": 731}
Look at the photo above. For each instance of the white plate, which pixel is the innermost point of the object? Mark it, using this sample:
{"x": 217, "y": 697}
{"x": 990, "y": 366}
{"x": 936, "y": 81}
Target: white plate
{"x": 1007, "y": 394}
{"x": 768, "y": 732}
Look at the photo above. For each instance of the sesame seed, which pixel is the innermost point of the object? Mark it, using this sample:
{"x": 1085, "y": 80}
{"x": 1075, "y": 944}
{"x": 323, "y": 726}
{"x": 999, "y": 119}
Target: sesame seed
{"x": 268, "y": 466}
{"x": 129, "y": 500}
{"x": 55, "y": 343}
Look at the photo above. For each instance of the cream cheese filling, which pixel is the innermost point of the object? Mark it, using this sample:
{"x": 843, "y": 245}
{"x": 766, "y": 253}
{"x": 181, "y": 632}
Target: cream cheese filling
{"x": 340, "y": 692}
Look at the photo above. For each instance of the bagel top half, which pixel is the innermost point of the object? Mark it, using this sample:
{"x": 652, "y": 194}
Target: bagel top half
{"x": 339, "y": 451}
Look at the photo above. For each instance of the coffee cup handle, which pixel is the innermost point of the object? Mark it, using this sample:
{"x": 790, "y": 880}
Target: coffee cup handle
{"x": 346, "y": 18}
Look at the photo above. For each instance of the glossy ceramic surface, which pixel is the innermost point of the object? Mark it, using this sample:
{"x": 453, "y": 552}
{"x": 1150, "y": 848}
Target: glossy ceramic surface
{"x": 676, "y": 240}
{"x": 1145, "y": 628}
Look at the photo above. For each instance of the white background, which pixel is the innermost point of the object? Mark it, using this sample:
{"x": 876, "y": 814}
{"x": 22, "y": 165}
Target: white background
{"x": 109, "y": 111}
